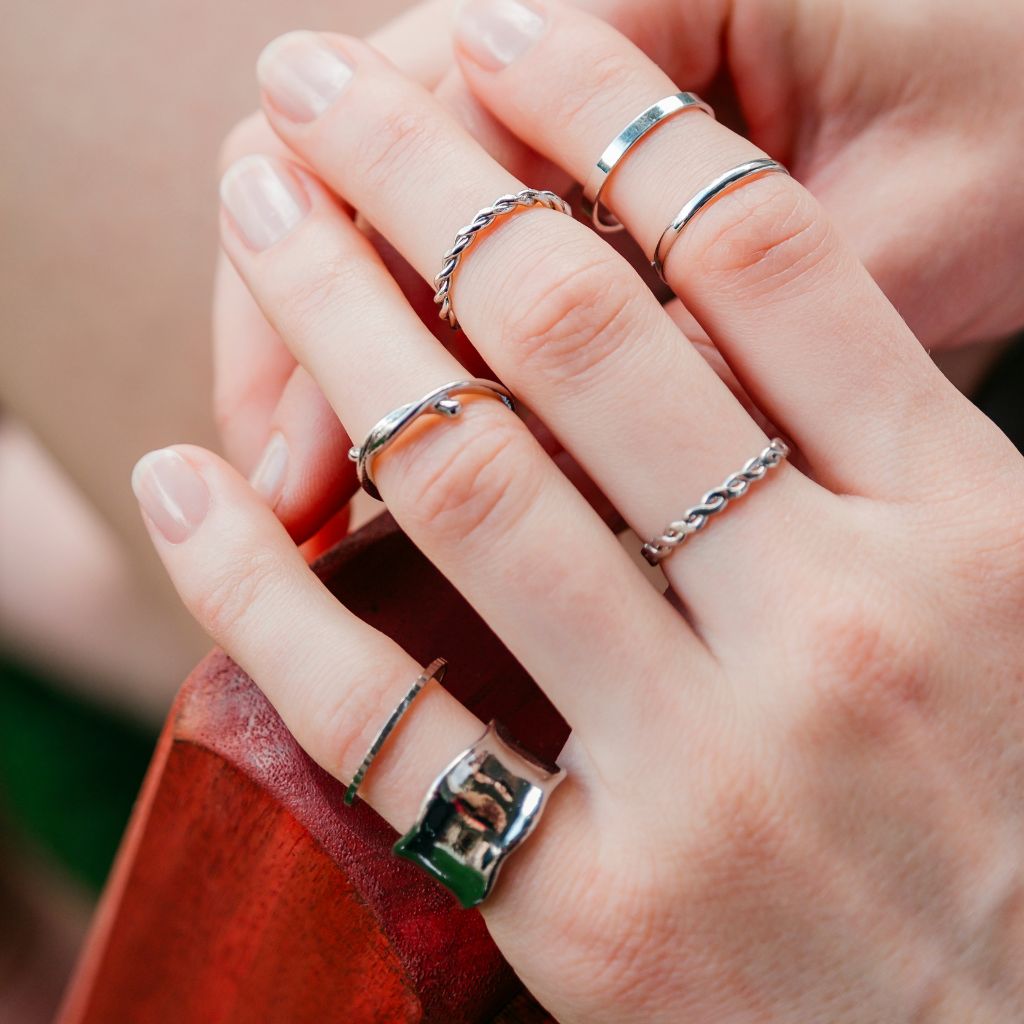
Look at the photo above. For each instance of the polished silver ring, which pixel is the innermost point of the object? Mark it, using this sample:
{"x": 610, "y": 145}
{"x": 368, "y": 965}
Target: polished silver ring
{"x": 720, "y": 186}
{"x": 467, "y": 235}
{"x": 478, "y": 810}
{"x": 441, "y": 401}
{"x": 434, "y": 671}
{"x": 623, "y": 143}
{"x": 714, "y": 502}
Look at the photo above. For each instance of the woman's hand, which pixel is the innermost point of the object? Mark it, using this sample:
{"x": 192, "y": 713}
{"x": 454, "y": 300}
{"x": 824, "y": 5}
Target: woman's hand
{"x": 802, "y": 800}
{"x": 905, "y": 125}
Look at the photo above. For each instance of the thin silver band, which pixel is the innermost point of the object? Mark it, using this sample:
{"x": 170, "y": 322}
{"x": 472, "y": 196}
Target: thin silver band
{"x": 713, "y": 502}
{"x": 623, "y": 143}
{"x": 707, "y": 195}
{"x": 440, "y": 401}
{"x": 435, "y": 670}
{"x": 484, "y": 219}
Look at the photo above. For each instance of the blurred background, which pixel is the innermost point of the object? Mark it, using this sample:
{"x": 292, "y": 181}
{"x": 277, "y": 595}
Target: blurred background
{"x": 115, "y": 112}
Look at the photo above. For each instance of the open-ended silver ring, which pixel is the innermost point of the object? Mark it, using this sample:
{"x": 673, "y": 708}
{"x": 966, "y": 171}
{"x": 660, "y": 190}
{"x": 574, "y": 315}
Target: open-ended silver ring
{"x": 441, "y": 401}
{"x": 705, "y": 197}
{"x": 434, "y": 671}
{"x": 714, "y": 502}
{"x": 478, "y": 810}
{"x": 468, "y": 235}
{"x": 629, "y": 137}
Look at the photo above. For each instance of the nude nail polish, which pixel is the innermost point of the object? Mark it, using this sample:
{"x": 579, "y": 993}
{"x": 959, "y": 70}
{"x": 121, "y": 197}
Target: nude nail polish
{"x": 302, "y": 74}
{"x": 495, "y": 32}
{"x": 172, "y": 494}
{"x": 263, "y": 199}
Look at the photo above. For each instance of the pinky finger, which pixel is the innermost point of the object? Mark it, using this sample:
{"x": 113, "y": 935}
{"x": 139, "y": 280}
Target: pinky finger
{"x": 333, "y": 679}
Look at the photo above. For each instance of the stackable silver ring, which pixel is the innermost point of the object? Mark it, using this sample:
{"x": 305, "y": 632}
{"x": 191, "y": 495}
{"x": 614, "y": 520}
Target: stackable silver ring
{"x": 714, "y": 502}
{"x": 478, "y": 810}
{"x": 441, "y": 401}
{"x": 707, "y": 195}
{"x": 654, "y": 115}
{"x": 501, "y": 207}
{"x": 434, "y": 671}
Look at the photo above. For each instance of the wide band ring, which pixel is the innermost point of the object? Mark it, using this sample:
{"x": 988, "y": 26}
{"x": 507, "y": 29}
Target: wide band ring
{"x": 479, "y": 809}
{"x": 501, "y": 207}
{"x": 715, "y": 190}
{"x": 654, "y": 115}
{"x": 441, "y": 401}
{"x": 434, "y": 671}
{"x": 714, "y": 502}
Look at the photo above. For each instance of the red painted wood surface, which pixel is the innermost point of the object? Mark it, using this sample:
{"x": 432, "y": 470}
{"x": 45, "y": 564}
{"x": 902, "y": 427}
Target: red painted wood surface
{"x": 245, "y": 891}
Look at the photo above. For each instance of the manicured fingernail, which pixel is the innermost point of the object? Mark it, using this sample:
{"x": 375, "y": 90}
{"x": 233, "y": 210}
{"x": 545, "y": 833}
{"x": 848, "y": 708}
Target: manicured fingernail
{"x": 172, "y": 494}
{"x": 264, "y": 199}
{"x": 268, "y": 477}
{"x": 495, "y": 32}
{"x": 302, "y": 75}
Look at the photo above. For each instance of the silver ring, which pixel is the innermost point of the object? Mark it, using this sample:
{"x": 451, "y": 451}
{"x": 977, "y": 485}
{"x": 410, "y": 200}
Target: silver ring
{"x": 435, "y": 670}
{"x": 478, "y": 810}
{"x": 623, "y": 143}
{"x": 714, "y": 502}
{"x": 440, "y": 401}
{"x": 467, "y": 235}
{"x": 722, "y": 184}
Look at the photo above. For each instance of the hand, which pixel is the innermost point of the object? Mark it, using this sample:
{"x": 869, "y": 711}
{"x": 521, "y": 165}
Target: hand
{"x": 802, "y": 800}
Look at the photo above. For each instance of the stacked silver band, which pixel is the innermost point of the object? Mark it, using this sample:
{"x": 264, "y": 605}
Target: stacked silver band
{"x": 501, "y": 207}
{"x": 714, "y": 502}
{"x": 616, "y": 150}
{"x": 434, "y": 671}
{"x": 441, "y": 401}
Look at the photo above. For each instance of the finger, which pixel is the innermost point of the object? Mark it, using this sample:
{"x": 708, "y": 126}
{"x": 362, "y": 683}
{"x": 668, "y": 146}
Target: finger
{"x": 797, "y": 317}
{"x": 333, "y": 679}
{"x": 477, "y": 494}
{"x": 561, "y": 318}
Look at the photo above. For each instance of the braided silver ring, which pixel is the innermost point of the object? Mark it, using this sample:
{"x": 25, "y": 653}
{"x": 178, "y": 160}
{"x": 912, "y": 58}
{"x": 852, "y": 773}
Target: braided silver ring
{"x": 629, "y": 137}
{"x": 441, "y": 401}
{"x": 485, "y": 218}
{"x": 714, "y": 502}
{"x": 705, "y": 197}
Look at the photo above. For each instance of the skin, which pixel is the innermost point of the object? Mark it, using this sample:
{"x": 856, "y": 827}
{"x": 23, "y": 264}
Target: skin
{"x": 802, "y": 800}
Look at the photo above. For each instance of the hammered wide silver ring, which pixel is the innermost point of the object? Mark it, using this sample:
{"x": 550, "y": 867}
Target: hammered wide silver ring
{"x": 478, "y": 810}
{"x": 441, "y": 401}
{"x": 630, "y": 136}
{"x": 501, "y": 207}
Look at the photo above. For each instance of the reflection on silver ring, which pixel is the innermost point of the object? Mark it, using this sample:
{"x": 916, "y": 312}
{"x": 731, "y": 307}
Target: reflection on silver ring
{"x": 434, "y": 671}
{"x": 623, "y": 143}
{"x": 722, "y": 184}
{"x": 441, "y": 401}
{"x": 467, "y": 236}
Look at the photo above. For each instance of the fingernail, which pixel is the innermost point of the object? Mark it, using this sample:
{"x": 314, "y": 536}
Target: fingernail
{"x": 264, "y": 200}
{"x": 172, "y": 494}
{"x": 302, "y": 75}
{"x": 495, "y": 32}
{"x": 268, "y": 477}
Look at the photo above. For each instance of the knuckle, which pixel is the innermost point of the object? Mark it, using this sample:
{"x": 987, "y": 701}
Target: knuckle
{"x": 228, "y": 597}
{"x": 467, "y": 480}
{"x": 767, "y": 235}
{"x": 573, "y": 314}
{"x": 319, "y": 294}
{"x": 609, "y": 77}
{"x": 400, "y": 138}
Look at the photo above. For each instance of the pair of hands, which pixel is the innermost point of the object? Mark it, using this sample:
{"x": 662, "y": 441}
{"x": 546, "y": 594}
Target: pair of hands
{"x": 906, "y": 125}
{"x": 802, "y": 800}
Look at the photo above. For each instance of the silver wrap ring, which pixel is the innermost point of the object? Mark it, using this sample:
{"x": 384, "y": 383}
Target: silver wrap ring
{"x": 705, "y": 197}
{"x": 442, "y": 401}
{"x": 630, "y": 136}
{"x": 714, "y": 502}
{"x": 478, "y": 810}
{"x": 501, "y": 207}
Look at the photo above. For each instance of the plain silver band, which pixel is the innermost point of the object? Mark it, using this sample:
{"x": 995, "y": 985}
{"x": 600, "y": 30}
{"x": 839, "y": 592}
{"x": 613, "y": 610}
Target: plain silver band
{"x": 441, "y": 401}
{"x": 623, "y": 143}
{"x": 435, "y": 670}
{"x": 722, "y": 184}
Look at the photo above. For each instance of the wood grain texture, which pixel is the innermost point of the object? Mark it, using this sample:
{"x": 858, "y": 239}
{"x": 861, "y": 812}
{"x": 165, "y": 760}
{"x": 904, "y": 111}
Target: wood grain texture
{"x": 246, "y": 891}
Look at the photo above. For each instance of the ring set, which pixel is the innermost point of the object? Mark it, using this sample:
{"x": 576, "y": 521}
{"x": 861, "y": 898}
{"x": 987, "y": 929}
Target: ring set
{"x": 490, "y": 798}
